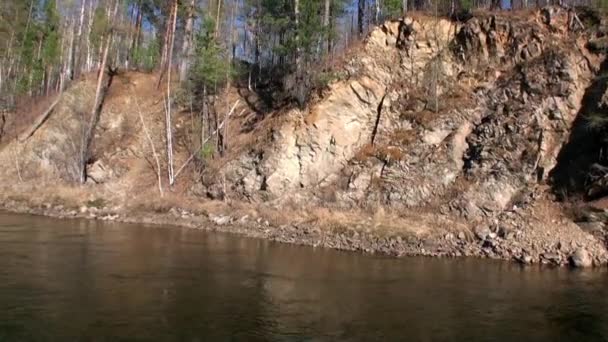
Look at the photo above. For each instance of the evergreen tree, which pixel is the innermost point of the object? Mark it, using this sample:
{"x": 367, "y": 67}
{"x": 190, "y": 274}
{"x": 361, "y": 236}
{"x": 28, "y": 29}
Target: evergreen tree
{"x": 51, "y": 40}
{"x": 99, "y": 27}
{"x": 392, "y": 8}
{"x": 210, "y": 66}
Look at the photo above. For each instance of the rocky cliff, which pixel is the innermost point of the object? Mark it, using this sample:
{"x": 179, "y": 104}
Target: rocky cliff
{"x": 431, "y": 105}
{"x": 462, "y": 119}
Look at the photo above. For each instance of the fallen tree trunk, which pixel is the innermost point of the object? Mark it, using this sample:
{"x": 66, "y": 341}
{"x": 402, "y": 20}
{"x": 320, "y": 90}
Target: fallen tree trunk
{"x": 92, "y": 125}
{"x": 41, "y": 120}
{"x": 100, "y": 94}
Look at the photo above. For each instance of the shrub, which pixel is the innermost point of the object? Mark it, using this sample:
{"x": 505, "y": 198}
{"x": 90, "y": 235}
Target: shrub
{"x": 97, "y": 203}
{"x": 207, "y": 150}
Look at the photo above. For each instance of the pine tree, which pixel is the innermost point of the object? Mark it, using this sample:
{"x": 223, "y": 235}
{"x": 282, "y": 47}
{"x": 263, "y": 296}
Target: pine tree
{"x": 393, "y": 8}
{"x": 210, "y": 65}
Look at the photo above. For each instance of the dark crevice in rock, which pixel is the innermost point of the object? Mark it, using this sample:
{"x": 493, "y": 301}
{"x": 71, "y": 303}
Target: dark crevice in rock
{"x": 378, "y": 116}
{"x": 586, "y": 146}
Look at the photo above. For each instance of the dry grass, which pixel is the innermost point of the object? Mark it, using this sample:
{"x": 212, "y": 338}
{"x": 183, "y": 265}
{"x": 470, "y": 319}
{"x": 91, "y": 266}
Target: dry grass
{"x": 403, "y": 137}
{"x": 365, "y": 152}
{"x": 70, "y": 197}
{"x": 26, "y": 113}
{"x": 387, "y": 153}
{"x": 423, "y": 118}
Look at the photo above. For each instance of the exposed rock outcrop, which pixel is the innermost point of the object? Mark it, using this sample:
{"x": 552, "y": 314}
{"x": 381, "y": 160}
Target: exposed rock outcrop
{"x": 463, "y": 119}
{"x": 486, "y": 104}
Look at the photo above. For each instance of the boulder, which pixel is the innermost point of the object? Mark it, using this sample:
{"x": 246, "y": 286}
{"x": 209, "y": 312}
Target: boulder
{"x": 581, "y": 258}
{"x": 220, "y": 220}
{"x": 482, "y": 232}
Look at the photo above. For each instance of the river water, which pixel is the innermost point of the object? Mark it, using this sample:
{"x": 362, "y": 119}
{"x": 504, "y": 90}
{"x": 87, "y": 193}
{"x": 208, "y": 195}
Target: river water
{"x": 90, "y": 281}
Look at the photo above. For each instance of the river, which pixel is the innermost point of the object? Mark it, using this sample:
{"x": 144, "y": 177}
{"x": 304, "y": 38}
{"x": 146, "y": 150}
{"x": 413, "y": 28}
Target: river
{"x": 83, "y": 280}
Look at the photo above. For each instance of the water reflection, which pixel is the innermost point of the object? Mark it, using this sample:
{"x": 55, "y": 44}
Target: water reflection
{"x": 81, "y": 280}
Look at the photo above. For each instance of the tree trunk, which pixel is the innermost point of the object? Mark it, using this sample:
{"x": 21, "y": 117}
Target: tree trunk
{"x": 217, "y": 18}
{"x": 257, "y": 40}
{"x": 326, "y": 19}
{"x": 187, "y": 45}
{"x": 89, "y": 61}
{"x": 168, "y": 113}
{"x": 70, "y": 64}
{"x": 232, "y": 44}
{"x": 2, "y": 123}
{"x": 18, "y": 62}
{"x": 137, "y": 36}
{"x": 360, "y": 16}
{"x": 119, "y": 41}
{"x": 296, "y": 10}
{"x": 136, "y": 33}
{"x": 100, "y": 94}
{"x": 164, "y": 63}
{"x": 129, "y": 38}
{"x": 31, "y": 76}
{"x": 78, "y": 42}
{"x": 8, "y": 60}
{"x": 299, "y": 79}
{"x": 166, "y": 39}
{"x": 404, "y": 6}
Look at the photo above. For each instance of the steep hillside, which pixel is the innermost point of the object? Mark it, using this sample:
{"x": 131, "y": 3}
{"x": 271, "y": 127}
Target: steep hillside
{"x": 437, "y": 138}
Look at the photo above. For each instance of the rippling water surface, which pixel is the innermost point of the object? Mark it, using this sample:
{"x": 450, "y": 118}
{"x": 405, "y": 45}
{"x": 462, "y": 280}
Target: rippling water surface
{"x": 90, "y": 281}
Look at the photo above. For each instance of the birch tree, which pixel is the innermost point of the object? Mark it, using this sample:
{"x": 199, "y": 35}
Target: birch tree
{"x": 168, "y": 114}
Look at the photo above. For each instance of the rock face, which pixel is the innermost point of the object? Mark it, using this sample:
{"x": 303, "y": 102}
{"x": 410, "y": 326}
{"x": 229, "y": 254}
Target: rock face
{"x": 466, "y": 120}
{"x": 311, "y": 149}
{"x": 464, "y": 116}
